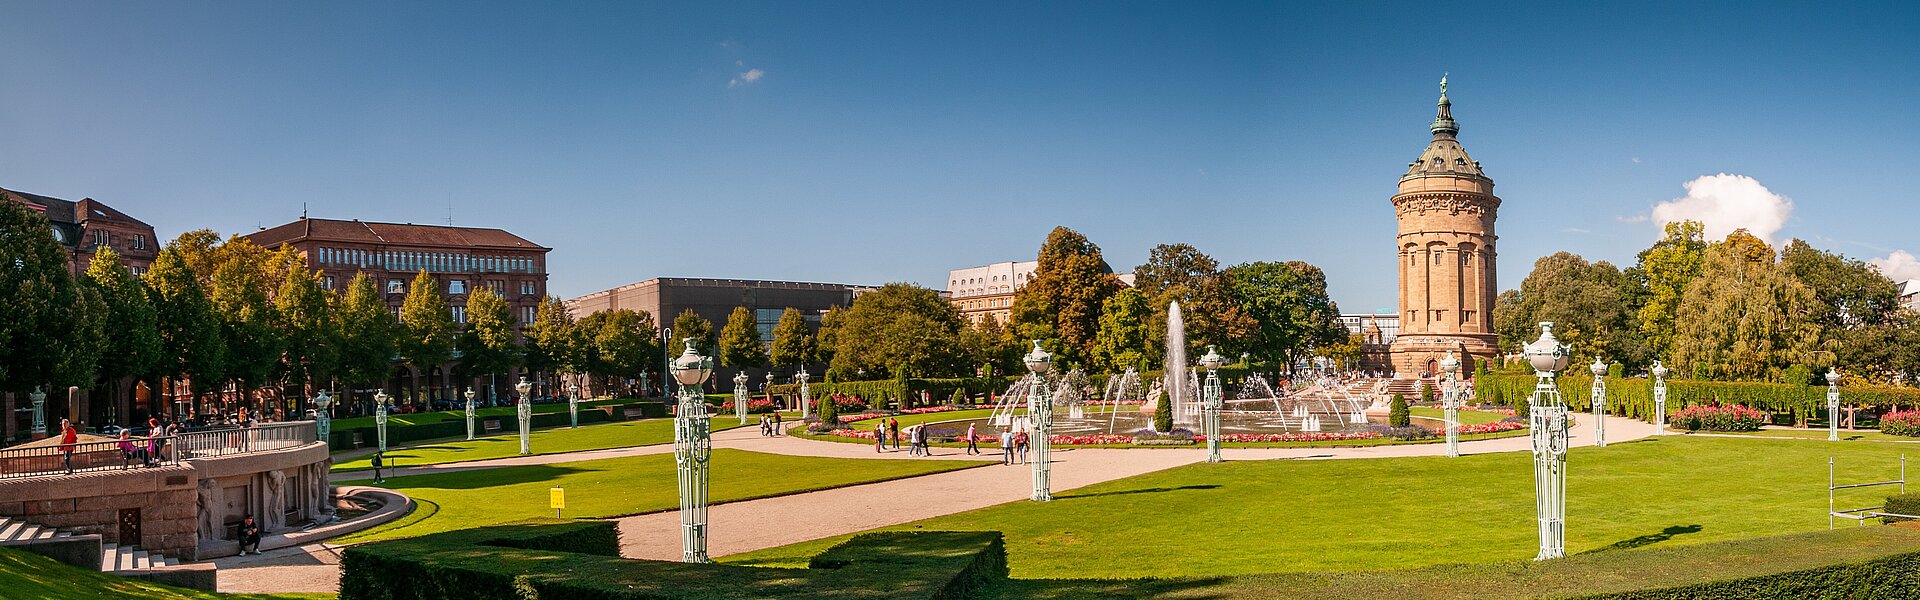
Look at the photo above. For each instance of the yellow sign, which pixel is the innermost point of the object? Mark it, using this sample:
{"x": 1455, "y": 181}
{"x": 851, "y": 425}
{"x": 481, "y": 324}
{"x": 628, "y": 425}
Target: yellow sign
{"x": 557, "y": 498}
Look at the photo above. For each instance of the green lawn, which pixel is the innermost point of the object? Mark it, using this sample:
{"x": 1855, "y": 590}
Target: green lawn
{"x": 621, "y": 486}
{"x": 543, "y": 441}
{"x": 28, "y": 576}
{"x": 427, "y": 418}
{"x": 1339, "y": 515}
{"x": 1870, "y": 435}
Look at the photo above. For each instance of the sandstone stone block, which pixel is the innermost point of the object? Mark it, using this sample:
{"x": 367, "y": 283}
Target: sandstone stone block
{"x": 48, "y": 507}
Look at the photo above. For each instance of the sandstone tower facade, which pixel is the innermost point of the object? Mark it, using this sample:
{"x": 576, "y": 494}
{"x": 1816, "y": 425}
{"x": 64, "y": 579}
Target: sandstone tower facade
{"x": 1446, "y": 210}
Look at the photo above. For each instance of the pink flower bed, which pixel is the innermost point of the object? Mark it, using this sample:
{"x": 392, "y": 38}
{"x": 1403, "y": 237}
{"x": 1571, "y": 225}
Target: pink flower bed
{"x": 927, "y": 409}
{"x": 1086, "y": 440}
{"x": 1487, "y": 409}
{"x": 864, "y": 434}
{"x": 1270, "y": 438}
{"x": 861, "y": 417}
{"x": 1115, "y": 402}
{"x": 1494, "y": 427}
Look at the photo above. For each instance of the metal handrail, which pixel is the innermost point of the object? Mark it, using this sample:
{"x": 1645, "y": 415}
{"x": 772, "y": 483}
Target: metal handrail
{"x": 82, "y": 457}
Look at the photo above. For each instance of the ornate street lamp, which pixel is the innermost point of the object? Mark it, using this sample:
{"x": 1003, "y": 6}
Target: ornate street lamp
{"x": 1659, "y": 398}
{"x": 1211, "y": 396}
{"x": 1599, "y": 370}
{"x": 1833, "y": 404}
{"x": 1548, "y": 415}
{"x": 39, "y": 399}
{"x": 380, "y": 417}
{"x": 323, "y": 416}
{"x": 573, "y": 403}
{"x": 740, "y": 396}
{"x": 526, "y": 416}
{"x": 1040, "y": 412}
{"x": 1450, "y": 400}
{"x": 692, "y": 444}
{"x": 470, "y": 412}
{"x": 802, "y": 377}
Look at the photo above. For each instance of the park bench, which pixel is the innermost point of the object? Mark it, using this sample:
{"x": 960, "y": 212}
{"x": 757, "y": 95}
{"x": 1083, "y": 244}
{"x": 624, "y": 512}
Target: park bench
{"x": 491, "y": 425}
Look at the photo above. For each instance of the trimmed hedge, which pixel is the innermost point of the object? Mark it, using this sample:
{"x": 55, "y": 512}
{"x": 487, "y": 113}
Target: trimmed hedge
{"x": 1889, "y": 577}
{"x": 342, "y": 438}
{"x": 550, "y": 558}
{"x": 1634, "y": 397}
{"x": 1901, "y": 504}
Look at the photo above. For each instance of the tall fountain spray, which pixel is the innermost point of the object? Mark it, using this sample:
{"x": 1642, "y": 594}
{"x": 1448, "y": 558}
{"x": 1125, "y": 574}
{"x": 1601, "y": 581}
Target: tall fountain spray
{"x": 1175, "y": 371}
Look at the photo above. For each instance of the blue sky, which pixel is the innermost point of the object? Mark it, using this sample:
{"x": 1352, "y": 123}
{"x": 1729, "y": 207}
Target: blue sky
{"x": 875, "y": 142}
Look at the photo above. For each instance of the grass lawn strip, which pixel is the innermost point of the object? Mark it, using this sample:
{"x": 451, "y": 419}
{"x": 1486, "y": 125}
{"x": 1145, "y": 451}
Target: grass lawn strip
{"x": 442, "y": 416}
{"x": 545, "y": 441}
{"x": 1246, "y": 517}
{"x": 623, "y": 486}
{"x": 27, "y": 575}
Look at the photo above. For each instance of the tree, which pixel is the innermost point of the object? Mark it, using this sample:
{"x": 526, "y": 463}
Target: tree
{"x": 189, "y": 332}
{"x": 792, "y": 343}
{"x": 1163, "y": 413}
{"x": 1181, "y": 273}
{"x": 1666, "y": 269}
{"x": 488, "y": 344}
{"x": 899, "y": 329}
{"x": 827, "y": 411}
{"x": 623, "y": 342}
{"x": 304, "y": 322}
{"x": 130, "y": 340}
{"x": 1856, "y": 307}
{"x": 691, "y": 325}
{"x": 1744, "y": 317}
{"x": 1582, "y": 300}
{"x": 239, "y": 296}
{"x": 1346, "y": 354}
{"x": 426, "y": 329}
{"x": 740, "y": 345}
{"x": 991, "y": 347}
{"x": 1288, "y": 302}
{"x": 825, "y": 339}
{"x": 1397, "y": 413}
{"x": 1122, "y": 339}
{"x": 1060, "y": 305}
{"x": 553, "y": 344}
{"x": 41, "y": 307}
{"x": 367, "y": 334}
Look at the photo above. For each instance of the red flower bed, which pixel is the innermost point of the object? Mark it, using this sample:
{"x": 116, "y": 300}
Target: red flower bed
{"x": 927, "y": 409}
{"x": 1494, "y": 427}
{"x": 1719, "y": 418}
{"x": 1906, "y": 422}
{"x": 1086, "y": 440}
{"x": 1273, "y": 438}
{"x": 1114, "y": 402}
{"x": 861, "y": 417}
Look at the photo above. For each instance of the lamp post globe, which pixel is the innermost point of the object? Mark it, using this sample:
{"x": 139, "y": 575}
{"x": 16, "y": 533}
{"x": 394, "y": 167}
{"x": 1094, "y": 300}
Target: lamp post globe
{"x": 740, "y": 396}
{"x": 1040, "y": 413}
{"x": 1659, "y": 398}
{"x": 470, "y": 395}
{"x": 1450, "y": 401}
{"x": 1599, "y": 369}
{"x": 692, "y": 446}
{"x": 323, "y": 416}
{"x": 1548, "y": 416}
{"x": 573, "y": 403}
{"x": 1833, "y": 404}
{"x": 380, "y": 417}
{"x": 525, "y": 410}
{"x": 1211, "y": 400}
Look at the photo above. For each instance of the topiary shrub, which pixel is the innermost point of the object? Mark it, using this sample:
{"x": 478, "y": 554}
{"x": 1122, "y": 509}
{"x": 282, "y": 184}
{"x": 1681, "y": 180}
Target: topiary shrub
{"x": 1163, "y": 414}
{"x": 1397, "y": 414}
{"x": 1426, "y": 394}
{"x": 1906, "y": 422}
{"x": 829, "y": 410}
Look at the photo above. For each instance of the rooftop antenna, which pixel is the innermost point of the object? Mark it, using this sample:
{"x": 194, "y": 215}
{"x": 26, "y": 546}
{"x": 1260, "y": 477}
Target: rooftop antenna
{"x": 303, "y": 211}
{"x": 449, "y": 212}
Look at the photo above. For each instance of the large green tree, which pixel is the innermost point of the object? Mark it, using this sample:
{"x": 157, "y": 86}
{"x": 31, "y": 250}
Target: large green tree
{"x": 623, "y": 343}
{"x": 190, "y": 341}
{"x": 553, "y": 342}
{"x": 898, "y": 330}
{"x": 1583, "y": 301}
{"x": 130, "y": 344}
{"x": 1745, "y": 317}
{"x": 740, "y": 341}
{"x": 1858, "y": 309}
{"x": 304, "y": 322}
{"x": 1184, "y": 274}
{"x": 488, "y": 346}
{"x": 690, "y": 324}
{"x": 239, "y": 295}
{"x": 1122, "y": 340}
{"x": 1061, "y": 304}
{"x": 1664, "y": 272}
{"x": 42, "y": 311}
{"x": 426, "y": 329}
{"x": 1288, "y": 302}
{"x": 367, "y": 334}
{"x": 793, "y": 344}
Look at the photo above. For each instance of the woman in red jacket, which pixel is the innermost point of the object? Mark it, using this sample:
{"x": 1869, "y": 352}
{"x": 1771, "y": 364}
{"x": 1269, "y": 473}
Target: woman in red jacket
{"x": 68, "y": 439}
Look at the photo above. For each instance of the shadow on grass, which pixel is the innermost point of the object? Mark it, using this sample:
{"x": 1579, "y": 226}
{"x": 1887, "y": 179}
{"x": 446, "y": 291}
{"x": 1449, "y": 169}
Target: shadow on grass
{"x": 1649, "y": 539}
{"x": 1109, "y": 589}
{"x": 482, "y": 478}
{"x": 1209, "y": 486}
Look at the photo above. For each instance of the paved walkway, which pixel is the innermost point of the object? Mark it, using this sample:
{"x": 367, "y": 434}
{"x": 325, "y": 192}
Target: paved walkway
{"x": 766, "y": 523}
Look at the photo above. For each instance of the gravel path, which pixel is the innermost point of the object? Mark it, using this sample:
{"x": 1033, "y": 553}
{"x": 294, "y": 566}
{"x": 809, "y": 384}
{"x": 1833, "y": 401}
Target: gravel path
{"x": 766, "y": 523}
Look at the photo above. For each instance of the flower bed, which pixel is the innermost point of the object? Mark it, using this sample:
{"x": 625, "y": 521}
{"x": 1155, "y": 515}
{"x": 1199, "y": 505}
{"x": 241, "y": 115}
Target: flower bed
{"x": 861, "y": 417}
{"x": 1719, "y": 418}
{"x": 754, "y": 407}
{"x": 1485, "y": 408}
{"x": 1275, "y": 438}
{"x": 1090, "y": 440}
{"x": 1906, "y": 422}
{"x": 1494, "y": 427}
{"x": 1114, "y": 402}
{"x": 928, "y": 409}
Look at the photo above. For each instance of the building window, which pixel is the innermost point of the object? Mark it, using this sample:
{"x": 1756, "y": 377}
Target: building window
{"x": 102, "y": 237}
{"x": 139, "y": 241}
{"x": 498, "y": 286}
{"x": 764, "y": 320}
{"x": 137, "y": 271}
{"x": 457, "y": 286}
{"x": 396, "y": 286}
{"x": 527, "y": 314}
{"x": 460, "y": 314}
{"x": 327, "y": 282}
{"x": 528, "y": 288}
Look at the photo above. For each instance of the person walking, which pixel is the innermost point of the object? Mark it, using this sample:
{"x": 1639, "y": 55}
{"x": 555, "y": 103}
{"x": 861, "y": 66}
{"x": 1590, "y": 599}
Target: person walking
{"x": 68, "y": 439}
{"x": 893, "y": 427}
{"x": 880, "y": 437}
{"x": 924, "y": 437}
{"x": 779, "y": 424}
{"x": 766, "y": 426}
{"x": 973, "y": 441}
{"x": 1020, "y": 444}
{"x": 156, "y": 436}
{"x": 378, "y": 462}
{"x": 1006, "y": 446}
{"x": 249, "y": 536}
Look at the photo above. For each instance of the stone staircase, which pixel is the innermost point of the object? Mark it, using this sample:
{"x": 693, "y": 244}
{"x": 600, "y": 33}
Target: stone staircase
{"x": 1409, "y": 388}
{"x": 113, "y": 557}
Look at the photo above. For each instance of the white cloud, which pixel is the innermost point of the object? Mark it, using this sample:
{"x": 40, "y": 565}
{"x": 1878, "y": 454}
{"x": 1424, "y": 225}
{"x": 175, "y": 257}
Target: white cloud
{"x": 1574, "y": 230}
{"x": 1724, "y": 203}
{"x": 1898, "y": 266}
{"x": 750, "y": 76}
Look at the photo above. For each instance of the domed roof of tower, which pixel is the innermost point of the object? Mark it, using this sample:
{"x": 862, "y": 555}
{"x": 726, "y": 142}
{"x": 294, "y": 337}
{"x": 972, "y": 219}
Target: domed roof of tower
{"x": 1444, "y": 157}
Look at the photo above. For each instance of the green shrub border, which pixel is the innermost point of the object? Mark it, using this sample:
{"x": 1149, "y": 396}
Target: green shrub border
{"x": 1634, "y": 397}
{"x": 342, "y": 438}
